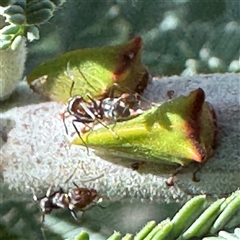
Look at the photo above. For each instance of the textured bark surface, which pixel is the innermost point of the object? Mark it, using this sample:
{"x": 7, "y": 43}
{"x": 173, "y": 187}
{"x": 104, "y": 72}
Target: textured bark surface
{"x": 38, "y": 152}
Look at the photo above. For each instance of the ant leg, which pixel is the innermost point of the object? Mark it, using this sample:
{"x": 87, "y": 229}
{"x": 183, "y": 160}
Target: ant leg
{"x": 73, "y": 214}
{"x": 88, "y": 111}
{"x": 75, "y": 185}
{"x": 48, "y": 193}
{"x": 80, "y": 135}
{"x": 43, "y": 233}
{"x": 87, "y": 80}
{"x": 95, "y": 118}
{"x": 170, "y": 180}
{"x": 74, "y": 171}
{"x": 64, "y": 122}
{"x": 197, "y": 169}
{"x": 36, "y": 199}
{"x": 112, "y": 89}
{"x": 88, "y": 126}
{"x": 43, "y": 217}
{"x": 93, "y": 101}
{"x": 104, "y": 125}
{"x": 71, "y": 88}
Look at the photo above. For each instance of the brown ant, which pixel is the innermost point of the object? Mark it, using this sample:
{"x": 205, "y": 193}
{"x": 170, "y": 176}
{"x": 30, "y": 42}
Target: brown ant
{"x": 75, "y": 199}
{"x": 106, "y": 110}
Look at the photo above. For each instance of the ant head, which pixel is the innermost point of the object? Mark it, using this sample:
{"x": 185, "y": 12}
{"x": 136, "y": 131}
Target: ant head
{"x": 46, "y": 205}
{"x": 74, "y": 104}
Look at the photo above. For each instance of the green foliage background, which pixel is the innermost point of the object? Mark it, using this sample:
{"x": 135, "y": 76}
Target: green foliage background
{"x": 173, "y": 31}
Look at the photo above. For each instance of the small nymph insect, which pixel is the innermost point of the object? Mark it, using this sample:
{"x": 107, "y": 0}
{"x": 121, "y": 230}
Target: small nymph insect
{"x": 75, "y": 199}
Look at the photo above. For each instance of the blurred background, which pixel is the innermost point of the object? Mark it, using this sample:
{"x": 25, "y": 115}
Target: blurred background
{"x": 181, "y": 37}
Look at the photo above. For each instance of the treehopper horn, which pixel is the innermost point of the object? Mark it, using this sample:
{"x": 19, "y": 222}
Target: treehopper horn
{"x": 91, "y": 71}
{"x": 177, "y": 132}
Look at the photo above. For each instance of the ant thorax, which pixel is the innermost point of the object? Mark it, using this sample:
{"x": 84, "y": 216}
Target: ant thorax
{"x": 115, "y": 109}
{"x": 61, "y": 199}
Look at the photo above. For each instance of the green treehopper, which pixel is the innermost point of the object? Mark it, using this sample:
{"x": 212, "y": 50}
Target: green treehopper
{"x": 92, "y": 71}
{"x": 179, "y": 131}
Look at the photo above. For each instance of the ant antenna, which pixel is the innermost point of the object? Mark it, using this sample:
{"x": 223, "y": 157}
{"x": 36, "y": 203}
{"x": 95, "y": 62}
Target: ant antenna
{"x": 64, "y": 122}
{"x": 85, "y": 144}
{"x": 74, "y": 171}
{"x": 75, "y": 185}
{"x": 87, "y": 80}
{"x": 71, "y": 77}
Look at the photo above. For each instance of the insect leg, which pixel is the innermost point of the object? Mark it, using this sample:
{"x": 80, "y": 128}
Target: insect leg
{"x": 197, "y": 169}
{"x": 88, "y": 111}
{"x": 73, "y": 123}
{"x": 64, "y": 122}
{"x": 104, "y": 125}
{"x": 75, "y": 185}
{"x": 3, "y": 134}
{"x": 170, "y": 180}
{"x": 73, "y": 214}
{"x": 48, "y": 193}
{"x": 96, "y": 106}
{"x": 87, "y": 80}
{"x": 35, "y": 198}
{"x": 96, "y": 118}
{"x": 38, "y": 199}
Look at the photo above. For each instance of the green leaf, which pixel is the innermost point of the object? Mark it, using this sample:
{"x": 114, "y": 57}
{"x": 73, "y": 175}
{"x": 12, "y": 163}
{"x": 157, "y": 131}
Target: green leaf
{"x": 231, "y": 206}
{"x": 160, "y": 231}
{"x": 145, "y": 230}
{"x": 204, "y": 222}
{"x": 177, "y": 132}
{"x": 82, "y": 236}
{"x": 115, "y": 236}
{"x": 187, "y": 215}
